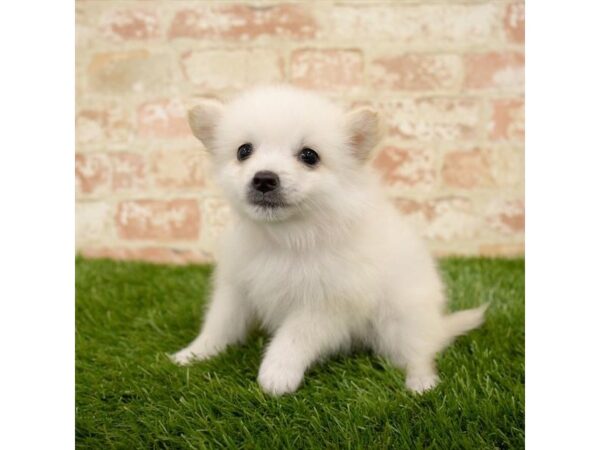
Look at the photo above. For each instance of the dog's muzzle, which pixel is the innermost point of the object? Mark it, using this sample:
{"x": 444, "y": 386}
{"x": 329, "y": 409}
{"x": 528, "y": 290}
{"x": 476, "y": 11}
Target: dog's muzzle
{"x": 265, "y": 190}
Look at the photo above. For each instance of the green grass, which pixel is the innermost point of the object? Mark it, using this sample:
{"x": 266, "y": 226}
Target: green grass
{"x": 129, "y": 395}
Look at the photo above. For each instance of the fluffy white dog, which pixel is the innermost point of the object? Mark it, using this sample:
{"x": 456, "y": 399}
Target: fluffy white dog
{"x": 317, "y": 255}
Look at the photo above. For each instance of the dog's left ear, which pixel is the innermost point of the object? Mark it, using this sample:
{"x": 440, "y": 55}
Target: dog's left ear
{"x": 203, "y": 120}
{"x": 364, "y": 131}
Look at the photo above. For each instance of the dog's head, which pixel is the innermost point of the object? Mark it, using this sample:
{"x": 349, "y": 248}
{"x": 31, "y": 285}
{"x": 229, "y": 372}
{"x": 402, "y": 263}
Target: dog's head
{"x": 280, "y": 152}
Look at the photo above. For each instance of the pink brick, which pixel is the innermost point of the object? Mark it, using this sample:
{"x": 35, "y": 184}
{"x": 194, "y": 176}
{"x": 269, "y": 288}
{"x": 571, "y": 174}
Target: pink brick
{"x": 495, "y": 70}
{"x": 101, "y": 173}
{"x": 130, "y": 24}
{"x": 327, "y": 69}
{"x": 442, "y": 219}
{"x": 508, "y": 120}
{"x": 405, "y": 168}
{"x": 92, "y": 173}
{"x": 433, "y": 119}
{"x": 178, "y": 169}
{"x": 129, "y": 71}
{"x": 243, "y": 22}
{"x": 506, "y": 216}
{"x": 102, "y": 124}
{"x": 416, "y": 72}
{"x": 232, "y": 69}
{"x": 399, "y": 23}
{"x": 216, "y": 215}
{"x": 163, "y": 119}
{"x": 514, "y": 22}
{"x": 159, "y": 220}
{"x": 128, "y": 171}
{"x": 467, "y": 169}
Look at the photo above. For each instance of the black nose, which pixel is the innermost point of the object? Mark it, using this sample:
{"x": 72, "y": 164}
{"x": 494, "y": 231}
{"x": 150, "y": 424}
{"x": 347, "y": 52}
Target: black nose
{"x": 265, "y": 181}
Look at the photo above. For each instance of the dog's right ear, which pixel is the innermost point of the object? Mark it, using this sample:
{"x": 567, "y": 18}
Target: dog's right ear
{"x": 203, "y": 119}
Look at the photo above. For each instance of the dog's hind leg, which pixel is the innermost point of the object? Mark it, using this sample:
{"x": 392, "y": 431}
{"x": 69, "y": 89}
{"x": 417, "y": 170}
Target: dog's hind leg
{"x": 411, "y": 343}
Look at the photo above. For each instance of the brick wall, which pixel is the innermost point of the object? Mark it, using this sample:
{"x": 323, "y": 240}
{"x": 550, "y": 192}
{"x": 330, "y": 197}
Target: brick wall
{"x": 448, "y": 77}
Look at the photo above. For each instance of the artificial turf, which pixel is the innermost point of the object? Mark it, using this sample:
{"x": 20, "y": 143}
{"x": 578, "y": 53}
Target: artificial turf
{"x": 129, "y": 395}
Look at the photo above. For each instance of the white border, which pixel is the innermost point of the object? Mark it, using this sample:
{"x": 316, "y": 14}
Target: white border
{"x": 563, "y": 224}
{"x": 37, "y": 224}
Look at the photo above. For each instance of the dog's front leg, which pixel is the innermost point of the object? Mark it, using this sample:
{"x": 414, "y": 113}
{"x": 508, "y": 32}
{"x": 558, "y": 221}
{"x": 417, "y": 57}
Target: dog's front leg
{"x": 227, "y": 321}
{"x": 299, "y": 342}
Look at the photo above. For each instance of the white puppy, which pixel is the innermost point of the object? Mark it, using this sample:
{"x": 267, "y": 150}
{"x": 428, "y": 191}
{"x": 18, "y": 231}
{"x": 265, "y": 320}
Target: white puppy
{"x": 317, "y": 255}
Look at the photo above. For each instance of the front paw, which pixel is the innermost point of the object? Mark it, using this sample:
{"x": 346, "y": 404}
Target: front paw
{"x": 187, "y": 356}
{"x": 421, "y": 383}
{"x": 276, "y": 378}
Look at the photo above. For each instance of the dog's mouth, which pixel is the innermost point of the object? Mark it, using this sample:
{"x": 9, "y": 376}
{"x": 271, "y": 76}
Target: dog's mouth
{"x": 269, "y": 200}
{"x": 268, "y": 204}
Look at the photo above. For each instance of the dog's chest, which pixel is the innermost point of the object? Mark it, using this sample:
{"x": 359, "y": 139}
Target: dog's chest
{"x": 280, "y": 283}
{"x": 277, "y": 276}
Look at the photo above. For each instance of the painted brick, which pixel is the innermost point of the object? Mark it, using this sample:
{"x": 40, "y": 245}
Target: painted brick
{"x": 161, "y": 220}
{"x": 508, "y": 120}
{"x": 327, "y": 69}
{"x": 467, "y": 169}
{"x": 232, "y": 69}
{"x": 102, "y": 173}
{"x": 441, "y": 219}
{"x": 103, "y": 124}
{"x": 217, "y": 214}
{"x": 416, "y": 72}
{"x": 409, "y": 59}
{"x": 93, "y": 223}
{"x": 433, "y": 119}
{"x": 92, "y": 173}
{"x": 163, "y": 119}
{"x": 506, "y": 216}
{"x": 243, "y": 22}
{"x": 128, "y": 172}
{"x": 130, "y": 71}
{"x": 495, "y": 71}
{"x": 413, "y": 24}
{"x": 178, "y": 169}
{"x": 508, "y": 167}
{"x": 514, "y": 22}
{"x": 406, "y": 168}
{"x": 129, "y": 24}
{"x": 477, "y": 168}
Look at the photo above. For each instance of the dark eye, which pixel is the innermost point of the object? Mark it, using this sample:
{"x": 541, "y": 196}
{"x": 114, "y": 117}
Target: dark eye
{"x": 308, "y": 156}
{"x": 244, "y": 151}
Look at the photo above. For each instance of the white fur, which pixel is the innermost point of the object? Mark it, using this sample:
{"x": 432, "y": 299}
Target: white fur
{"x": 336, "y": 267}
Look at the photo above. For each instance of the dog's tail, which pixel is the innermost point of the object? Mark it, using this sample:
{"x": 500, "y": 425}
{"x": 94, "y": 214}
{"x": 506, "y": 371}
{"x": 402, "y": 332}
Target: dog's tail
{"x": 462, "y": 322}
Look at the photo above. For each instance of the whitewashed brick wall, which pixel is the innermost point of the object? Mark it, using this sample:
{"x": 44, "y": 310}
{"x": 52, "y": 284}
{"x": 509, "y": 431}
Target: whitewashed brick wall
{"x": 447, "y": 76}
